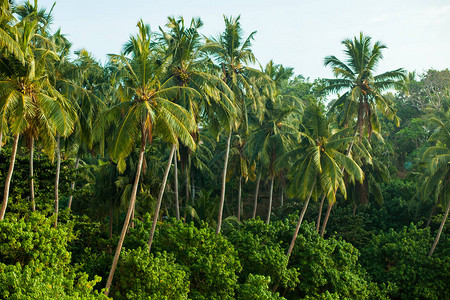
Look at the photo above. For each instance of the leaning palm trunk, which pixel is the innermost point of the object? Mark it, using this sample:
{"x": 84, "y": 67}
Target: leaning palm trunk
{"x": 33, "y": 204}
{"x": 161, "y": 193}
{"x": 239, "y": 198}
{"x": 432, "y": 212}
{"x": 255, "y": 203}
{"x": 270, "y": 200}
{"x": 58, "y": 169}
{"x": 438, "y": 236}
{"x": 224, "y": 178}
{"x": 9, "y": 176}
{"x": 72, "y": 185}
{"x": 177, "y": 203}
{"x": 320, "y": 213}
{"x": 327, "y": 215}
{"x": 325, "y": 221}
{"x": 128, "y": 217}
{"x": 294, "y": 237}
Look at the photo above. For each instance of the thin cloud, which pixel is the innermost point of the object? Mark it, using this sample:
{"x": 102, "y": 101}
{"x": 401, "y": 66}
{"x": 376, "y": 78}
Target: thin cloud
{"x": 438, "y": 15}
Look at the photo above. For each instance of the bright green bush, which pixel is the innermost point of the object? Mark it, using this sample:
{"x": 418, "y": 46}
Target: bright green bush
{"x": 260, "y": 253}
{"x": 257, "y": 288}
{"x": 210, "y": 260}
{"x": 141, "y": 275}
{"x": 38, "y": 281}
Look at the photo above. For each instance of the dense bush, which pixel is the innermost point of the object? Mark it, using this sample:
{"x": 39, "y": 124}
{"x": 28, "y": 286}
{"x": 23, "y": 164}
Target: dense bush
{"x": 399, "y": 259}
{"x": 141, "y": 275}
{"x": 35, "y": 262}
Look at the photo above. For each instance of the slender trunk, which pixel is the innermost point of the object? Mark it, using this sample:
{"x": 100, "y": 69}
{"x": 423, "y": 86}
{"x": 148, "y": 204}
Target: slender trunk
{"x": 325, "y": 221}
{"x": 1, "y": 140}
{"x": 72, "y": 185}
{"x": 432, "y": 212}
{"x": 255, "y": 203}
{"x": 193, "y": 189}
{"x": 294, "y": 237}
{"x": 110, "y": 223}
{"x": 270, "y": 200}
{"x": 33, "y": 204}
{"x": 186, "y": 203}
{"x": 320, "y": 213}
{"x": 224, "y": 178}
{"x": 282, "y": 195}
{"x": 239, "y": 198}
{"x": 354, "y": 209}
{"x": 438, "y": 236}
{"x": 161, "y": 193}
{"x": 128, "y": 217}
{"x": 8, "y": 177}
{"x": 58, "y": 169}
{"x": 177, "y": 204}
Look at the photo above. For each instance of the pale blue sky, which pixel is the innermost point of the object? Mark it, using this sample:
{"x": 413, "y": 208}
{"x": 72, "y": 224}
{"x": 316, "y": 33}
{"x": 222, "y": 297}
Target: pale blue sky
{"x": 298, "y": 34}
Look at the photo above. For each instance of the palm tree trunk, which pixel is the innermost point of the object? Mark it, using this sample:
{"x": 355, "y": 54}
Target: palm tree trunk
{"x": 320, "y": 213}
{"x": 8, "y": 177}
{"x": 282, "y": 195}
{"x": 177, "y": 203}
{"x": 186, "y": 203}
{"x": 33, "y": 204}
{"x": 128, "y": 217}
{"x": 294, "y": 237}
{"x": 72, "y": 185}
{"x": 270, "y": 200}
{"x": 110, "y": 222}
{"x": 325, "y": 221}
{"x": 224, "y": 178}
{"x": 1, "y": 140}
{"x": 438, "y": 236}
{"x": 161, "y": 193}
{"x": 432, "y": 212}
{"x": 58, "y": 169}
{"x": 255, "y": 203}
{"x": 239, "y": 198}
{"x": 193, "y": 189}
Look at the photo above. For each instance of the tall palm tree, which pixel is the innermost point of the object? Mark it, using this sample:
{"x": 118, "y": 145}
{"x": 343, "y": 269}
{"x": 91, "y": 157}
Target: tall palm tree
{"x": 434, "y": 181}
{"x": 233, "y": 52}
{"x": 362, "y": 88}
{"x": 145, "y": 109}
{"x": 317, "y": 164}
{"x": 31, "y": 103}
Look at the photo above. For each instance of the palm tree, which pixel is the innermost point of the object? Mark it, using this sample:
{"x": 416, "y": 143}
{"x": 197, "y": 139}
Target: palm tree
{"x": 232, "y": 52}
{"x": 31, "y": 103}
{"x": 317, "y": 164}
{"x": 145, "y": 109}
{"x": 435, "y": 179}
{"x": 362, "y": 89}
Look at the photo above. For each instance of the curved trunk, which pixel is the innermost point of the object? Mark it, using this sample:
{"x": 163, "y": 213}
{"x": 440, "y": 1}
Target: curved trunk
{"x": 224, "y": 178}
{"x": 58, "y": 169}
{"x": 325, "y": 221}
{"x": 299, "y": 223}
{"x": 255, "y": 203}
{"x": 432, "y": 212}
{"x": 270, "y": 200}
{"x": 128, "y": 217}
{"x": 33, "y": 204}
{"x": 8, "y": 177}
{"x": 438, "y": 236}
{"x": 161, "y": 193}
{"x": 239, "y": 199}
{"x": 320, "y": 213}
{"x": 177, "y": 203}
{"x": 72, "y": 185}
